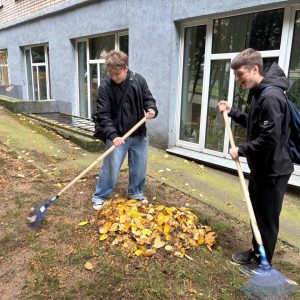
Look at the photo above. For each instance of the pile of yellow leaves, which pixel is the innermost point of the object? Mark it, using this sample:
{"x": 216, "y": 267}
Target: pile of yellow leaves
{"x": 141, "y": 229}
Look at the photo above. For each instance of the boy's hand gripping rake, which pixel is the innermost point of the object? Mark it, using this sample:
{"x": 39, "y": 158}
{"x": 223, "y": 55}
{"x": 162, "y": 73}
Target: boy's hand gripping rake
{"x": 267, "y": 283}
{"x": 37, "y": 214}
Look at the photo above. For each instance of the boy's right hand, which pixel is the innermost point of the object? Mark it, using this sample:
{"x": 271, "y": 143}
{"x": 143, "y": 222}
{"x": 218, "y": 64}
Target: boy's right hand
{"x": 224, "y": 105}
{"x": 118, "y": 141}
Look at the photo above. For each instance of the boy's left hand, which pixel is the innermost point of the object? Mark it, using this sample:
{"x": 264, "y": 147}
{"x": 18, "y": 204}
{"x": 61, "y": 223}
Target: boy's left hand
{"x": 234, "y": 152}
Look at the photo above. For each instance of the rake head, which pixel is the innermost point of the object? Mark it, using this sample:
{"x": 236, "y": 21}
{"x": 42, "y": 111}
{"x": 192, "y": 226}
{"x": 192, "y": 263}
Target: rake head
{"x": 269, "y": 284}
{"x": 36, "y": 215}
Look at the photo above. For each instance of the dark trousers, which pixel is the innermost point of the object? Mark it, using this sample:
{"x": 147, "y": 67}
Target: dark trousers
{"x": 266, "y": 194}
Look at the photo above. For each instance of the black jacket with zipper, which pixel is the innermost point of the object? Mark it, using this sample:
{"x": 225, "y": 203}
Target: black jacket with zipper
{"x": 109, "y": 115}
{"x": 268, "y": 131}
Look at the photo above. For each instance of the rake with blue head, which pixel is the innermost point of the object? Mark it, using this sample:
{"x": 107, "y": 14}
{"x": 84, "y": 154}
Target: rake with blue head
{"x": 37, "y": 213}
{"x": 267, "y": 283}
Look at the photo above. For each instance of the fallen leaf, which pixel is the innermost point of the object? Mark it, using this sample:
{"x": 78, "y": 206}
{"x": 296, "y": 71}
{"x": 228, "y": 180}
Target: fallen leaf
{"x": 82, "y": 223}
{"x": 88, "y": 266}
{"x": 103, "y": 237}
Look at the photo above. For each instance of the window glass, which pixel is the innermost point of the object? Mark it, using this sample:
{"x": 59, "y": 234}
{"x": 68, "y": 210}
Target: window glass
{"x": 4, "y": 80}
{"x": 82, "y": 78}
{"x": 100, "y": 46}
{"x": 93, "y": 85}
{"x": 42, "y": 83}
{"x": 123, "y": 41}
{"x": 218, "y": 90}
{"x": 260, "y": 30}
{"x": 29, "y": 74}
{"x": 35, "y": 83}
{"x": 294, "y": 68}
{"x": 191, "y": 100}
{"x": 38, "y": 54}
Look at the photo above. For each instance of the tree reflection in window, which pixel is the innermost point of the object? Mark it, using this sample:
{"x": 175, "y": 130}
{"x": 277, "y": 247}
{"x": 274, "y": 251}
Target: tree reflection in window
{"x": 218, "y": 90}
{"x": 260, "y": 30}
{"x": 294, "y": 69}
{"x": 192, "y": 83}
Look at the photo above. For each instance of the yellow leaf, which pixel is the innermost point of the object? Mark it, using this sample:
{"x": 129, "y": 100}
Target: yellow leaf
{"x": 105, "y": 227}
{"x": 167, "y": 228}
{"x": 114, "y": 227}
{"x": 138, "y": 252}
{"x": 103, "y": 237}
{"x": 151, "y": 210}
{"x": 178, "y": 254}
{"x": 169, "y": 210}
{"x": 200, "y": 241}
{"x": 88, "y": 266}
{"x": 82, "y": 223}
{"x": 158, "y": 243}
{"x": 138, "y": 223}
{"x": 161, "y": 218}
{"x": 149, "y": 252}
{"x": 123, "y": 219}
{"x": 149, "y": 217}
{"x": 159, "y": 207}
{"x": 168, "y": 247}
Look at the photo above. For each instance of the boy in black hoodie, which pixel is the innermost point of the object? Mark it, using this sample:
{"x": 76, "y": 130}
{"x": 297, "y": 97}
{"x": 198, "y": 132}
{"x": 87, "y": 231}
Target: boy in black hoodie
{"x": 266, "y": 148}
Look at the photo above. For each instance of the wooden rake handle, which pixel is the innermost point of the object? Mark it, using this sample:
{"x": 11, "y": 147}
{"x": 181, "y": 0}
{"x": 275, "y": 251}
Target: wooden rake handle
{"x": 100, "y": 158}
{"x": 255, "y": 229}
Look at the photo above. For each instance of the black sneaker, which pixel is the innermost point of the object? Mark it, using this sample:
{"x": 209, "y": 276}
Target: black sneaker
{"x": 244, "y": 257}
{"x": 250, "y": 269}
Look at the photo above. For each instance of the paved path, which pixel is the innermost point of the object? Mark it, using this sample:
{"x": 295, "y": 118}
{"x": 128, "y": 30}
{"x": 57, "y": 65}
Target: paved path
{"x": 213, "y": 187}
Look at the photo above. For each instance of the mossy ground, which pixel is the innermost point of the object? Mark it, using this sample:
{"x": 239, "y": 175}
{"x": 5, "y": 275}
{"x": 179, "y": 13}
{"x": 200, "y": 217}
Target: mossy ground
{"x": 48, "y": 263}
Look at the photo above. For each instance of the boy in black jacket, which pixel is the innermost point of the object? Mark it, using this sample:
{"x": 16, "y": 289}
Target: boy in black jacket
{"x": 266, "y": 148}
{"x": 123, "y": 98}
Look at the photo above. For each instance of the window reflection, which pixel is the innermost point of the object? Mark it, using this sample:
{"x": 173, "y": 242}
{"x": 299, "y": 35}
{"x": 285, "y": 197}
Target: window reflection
{"x": 218, "y": 90}
{"x": 192, "y": 83}
{"x": 38, "y": 54}
{"x": 123, "y": 41}
{"x": 3, "y": 68}
{"x": 261, "y": 31}
{"x": 82, "y": 78}
{"x": 93, "y": 85}
{"x": 100, "y": 46}
{"x": 294, "y": 69}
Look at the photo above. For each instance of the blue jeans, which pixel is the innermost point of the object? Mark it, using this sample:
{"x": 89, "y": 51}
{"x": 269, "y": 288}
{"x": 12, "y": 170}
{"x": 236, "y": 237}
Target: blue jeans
{"x": 137, "y": 148}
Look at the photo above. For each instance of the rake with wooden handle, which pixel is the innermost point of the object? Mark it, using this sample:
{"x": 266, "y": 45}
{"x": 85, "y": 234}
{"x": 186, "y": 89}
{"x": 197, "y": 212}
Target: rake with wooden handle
{"x": 37, "y": 213}
{"x": 267, "y": 283}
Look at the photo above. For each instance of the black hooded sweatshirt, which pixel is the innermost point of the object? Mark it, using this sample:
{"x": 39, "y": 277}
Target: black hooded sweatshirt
{"x": 268, "y": 130}
{"x": 115, "y": 117}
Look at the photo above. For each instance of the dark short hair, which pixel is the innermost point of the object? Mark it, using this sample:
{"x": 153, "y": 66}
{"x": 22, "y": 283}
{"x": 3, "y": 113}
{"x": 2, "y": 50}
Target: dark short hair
{"x": 248, "y": 58}
{"x": 116, "y": 60}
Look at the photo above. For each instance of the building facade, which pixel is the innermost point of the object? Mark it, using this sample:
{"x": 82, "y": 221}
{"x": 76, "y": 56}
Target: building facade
{"x": 54, "y": 51}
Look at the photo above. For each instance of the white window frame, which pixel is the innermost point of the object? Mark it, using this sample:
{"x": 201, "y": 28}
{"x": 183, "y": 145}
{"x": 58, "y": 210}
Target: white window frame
{"x": 32, "y": 65}
{"x": 89, "y": 61}
{"x": 283, "y": 53}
